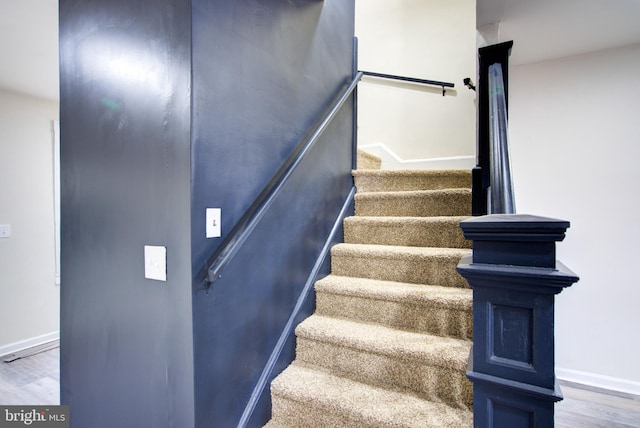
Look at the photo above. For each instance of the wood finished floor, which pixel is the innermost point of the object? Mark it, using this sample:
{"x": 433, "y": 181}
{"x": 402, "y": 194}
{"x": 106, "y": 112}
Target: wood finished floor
{"x": 35, "y": 381}
{"x": 593, "y": 408}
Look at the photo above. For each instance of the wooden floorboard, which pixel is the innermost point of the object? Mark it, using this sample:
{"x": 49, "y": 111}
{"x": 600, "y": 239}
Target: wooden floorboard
{"x": 588, "y": 407}
{"x": 35, "y": 380}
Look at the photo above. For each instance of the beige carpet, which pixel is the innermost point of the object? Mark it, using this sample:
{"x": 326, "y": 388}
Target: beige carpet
{"x": 389, "y": 342}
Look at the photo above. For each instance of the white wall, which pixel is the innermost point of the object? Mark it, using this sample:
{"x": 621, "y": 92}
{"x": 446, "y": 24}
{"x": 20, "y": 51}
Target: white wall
{"x": 429, "y": 39}
{"x": 29, "y": 298}
{"x": 575, "y": 144}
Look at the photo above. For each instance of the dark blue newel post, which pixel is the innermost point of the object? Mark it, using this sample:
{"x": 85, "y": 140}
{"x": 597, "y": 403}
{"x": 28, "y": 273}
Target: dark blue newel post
{"x": 515, "y": 277}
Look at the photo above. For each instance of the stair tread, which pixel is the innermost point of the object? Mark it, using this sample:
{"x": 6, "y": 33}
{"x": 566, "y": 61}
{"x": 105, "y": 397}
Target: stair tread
{"x": 451, "y": 297}
{"x": 417, "y": 265}
{"x": 390, "y": 180}
{"x": 402, "y": 220}
{"x": 432, "y": 309}
{"x": 406, "y": 231}
{"x": 445, "y": 352}
{"x": 412, "y": 172}
{"x": 360, "y": 404}
{"x": 398, "y": 194}
{"x": 414, "y": 203}
{"x": 396, "y": 251}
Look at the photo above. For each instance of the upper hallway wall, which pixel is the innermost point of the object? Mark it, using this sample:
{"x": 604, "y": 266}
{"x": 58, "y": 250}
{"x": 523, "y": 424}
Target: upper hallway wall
{"x": 430, "y": 39}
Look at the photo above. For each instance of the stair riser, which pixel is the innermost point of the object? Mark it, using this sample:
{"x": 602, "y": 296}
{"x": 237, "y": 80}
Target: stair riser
{"x": 428, "y": 204}
{"x": 416, "y": 270}
{"x": 305, "y": 397}
{"x": 411, "y": 235}
{"x": 288, "y": 413}
{"x": 436, "y": 320}
{"x": 387, "y": 181}
{"x": 293, "y": 414}
{"x": 389, "y": 371}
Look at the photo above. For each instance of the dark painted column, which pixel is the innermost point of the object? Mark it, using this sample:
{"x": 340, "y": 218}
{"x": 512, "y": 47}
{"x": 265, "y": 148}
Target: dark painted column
{"x": 127, "y": 340}
{"x": 515, "y": 277}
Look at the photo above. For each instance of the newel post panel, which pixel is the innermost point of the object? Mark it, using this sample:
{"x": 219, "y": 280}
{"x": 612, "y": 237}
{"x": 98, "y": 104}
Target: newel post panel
{"x": 515, "y": 276}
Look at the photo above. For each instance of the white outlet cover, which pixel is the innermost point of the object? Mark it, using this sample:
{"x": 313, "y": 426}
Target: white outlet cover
{"x": 213, "y": 229}
{"x": 5, "y": 230}
{"x": 155, "y": 262}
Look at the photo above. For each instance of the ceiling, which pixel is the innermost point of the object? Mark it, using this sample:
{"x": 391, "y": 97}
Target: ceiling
{"x": 29, "y": 47}
{"x": 541, "y": 30}
{"x": 547, "y": 29}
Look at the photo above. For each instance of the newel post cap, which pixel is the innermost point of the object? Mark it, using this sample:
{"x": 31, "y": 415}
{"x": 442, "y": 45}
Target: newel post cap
{"x": 514, "y": 239}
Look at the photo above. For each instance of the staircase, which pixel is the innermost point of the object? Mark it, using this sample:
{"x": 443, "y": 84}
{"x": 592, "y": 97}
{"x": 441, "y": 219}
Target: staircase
{"x": 389, "y": 342}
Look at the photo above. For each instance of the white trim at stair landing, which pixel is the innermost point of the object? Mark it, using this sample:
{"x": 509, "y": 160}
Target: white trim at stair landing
{"x": 390, "y": 160}
{"x": 599, "y": 381}
{"x": 21, "y": 345}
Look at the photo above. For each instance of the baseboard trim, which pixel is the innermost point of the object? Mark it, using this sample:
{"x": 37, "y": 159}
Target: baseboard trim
{"x": 21, "y": 345}
{"x": 267, "y": 371}
{"x": 391, "y": 160}
{"x": 599, "y": 381}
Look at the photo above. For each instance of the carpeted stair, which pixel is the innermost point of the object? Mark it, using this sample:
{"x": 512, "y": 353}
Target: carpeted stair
{"x": 389, "y": 342}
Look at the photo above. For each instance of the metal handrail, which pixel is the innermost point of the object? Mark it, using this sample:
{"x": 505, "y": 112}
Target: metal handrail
{"x": 444, "y": 85}
{"x": 241, "y": 231}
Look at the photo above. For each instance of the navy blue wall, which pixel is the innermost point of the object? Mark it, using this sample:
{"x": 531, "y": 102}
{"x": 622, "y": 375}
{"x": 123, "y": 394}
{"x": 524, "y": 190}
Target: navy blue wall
{"x": 263, "y": 72}
{"x": 277, "y": 65}
{"x": 238, "y": 323}
{"x": 169, "y": 107}
{"x": 127, "y": 351}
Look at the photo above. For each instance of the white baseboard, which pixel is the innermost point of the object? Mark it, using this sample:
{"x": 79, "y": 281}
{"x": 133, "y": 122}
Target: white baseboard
{"x": 599, "y": 381}
{"x": 390, "y": 160}
{"x": 28, "y": 343}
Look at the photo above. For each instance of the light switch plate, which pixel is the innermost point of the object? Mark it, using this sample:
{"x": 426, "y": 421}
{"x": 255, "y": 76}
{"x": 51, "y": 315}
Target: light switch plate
{"x": 155, "y": 262}
{"x": 213, "y": 223}
{"x": 5, "y": 230}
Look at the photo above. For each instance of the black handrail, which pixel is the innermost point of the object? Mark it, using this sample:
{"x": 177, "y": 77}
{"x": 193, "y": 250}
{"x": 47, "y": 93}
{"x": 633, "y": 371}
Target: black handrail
{"x": 241, "y": 231}
{"x": 444, "y": 85}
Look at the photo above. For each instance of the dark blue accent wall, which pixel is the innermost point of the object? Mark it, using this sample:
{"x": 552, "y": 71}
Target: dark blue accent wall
{"x": 263, "y": 72}
{"x": 237, "y": 324}
{"x": 278, "y": 66}
{"x": 169, "y": 107}
{"x": 127, "y": 347}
